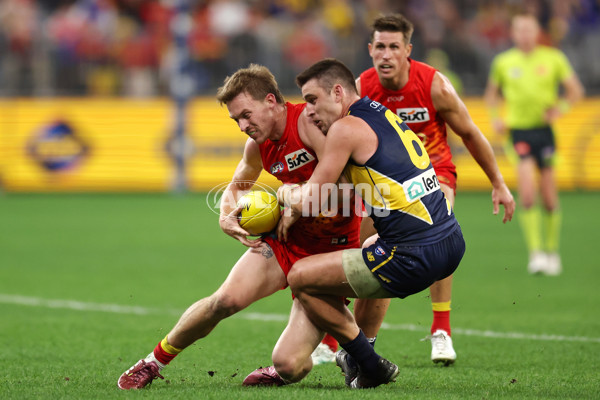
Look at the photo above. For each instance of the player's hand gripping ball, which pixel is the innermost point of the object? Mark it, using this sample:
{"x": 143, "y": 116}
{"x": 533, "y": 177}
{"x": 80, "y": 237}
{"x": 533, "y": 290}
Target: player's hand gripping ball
{"x": 260, "y": 212}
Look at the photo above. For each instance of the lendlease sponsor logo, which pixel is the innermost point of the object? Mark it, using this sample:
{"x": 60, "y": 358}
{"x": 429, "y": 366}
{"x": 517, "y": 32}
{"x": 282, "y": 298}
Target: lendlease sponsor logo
{"x": 421, "y": 186}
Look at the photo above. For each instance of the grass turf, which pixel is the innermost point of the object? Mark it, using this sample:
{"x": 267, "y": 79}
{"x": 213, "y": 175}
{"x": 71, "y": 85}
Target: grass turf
{"x": 517, "y": 336}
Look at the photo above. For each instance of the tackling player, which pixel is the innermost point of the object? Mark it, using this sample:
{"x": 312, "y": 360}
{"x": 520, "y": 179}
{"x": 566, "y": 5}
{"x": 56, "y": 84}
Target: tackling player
{"x": 419, "y": 240}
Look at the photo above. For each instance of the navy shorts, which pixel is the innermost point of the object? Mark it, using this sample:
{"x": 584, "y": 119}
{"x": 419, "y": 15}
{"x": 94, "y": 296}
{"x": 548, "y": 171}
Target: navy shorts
{"x": 537, "y": 143}
{"x": 406, "y": 270}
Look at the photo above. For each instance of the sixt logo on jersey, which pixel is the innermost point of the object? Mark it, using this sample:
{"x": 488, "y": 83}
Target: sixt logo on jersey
{"x": 412, "y": 115}
{"x": 421, "y": 185}
{"x": 298, "y": 158}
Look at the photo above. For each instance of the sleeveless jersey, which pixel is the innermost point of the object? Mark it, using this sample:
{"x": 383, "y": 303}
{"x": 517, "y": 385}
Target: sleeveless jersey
{"x": 398, "y": 183}
{"x": 290, "y": 161}
{"x": 414, "y": 105}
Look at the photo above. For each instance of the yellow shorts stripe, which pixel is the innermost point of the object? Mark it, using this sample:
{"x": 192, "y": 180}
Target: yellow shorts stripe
{"x": 385, "y": 261}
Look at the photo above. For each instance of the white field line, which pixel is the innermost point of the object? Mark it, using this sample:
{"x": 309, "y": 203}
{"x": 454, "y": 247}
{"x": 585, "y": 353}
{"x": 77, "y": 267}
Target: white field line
{"x": 121, "y": 309}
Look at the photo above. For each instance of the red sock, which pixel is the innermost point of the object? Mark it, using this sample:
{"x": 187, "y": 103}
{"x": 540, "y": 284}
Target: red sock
{"x": 164, "y": 356}
{"x": 331, "y": 342}
{"x": 441, "y": 320}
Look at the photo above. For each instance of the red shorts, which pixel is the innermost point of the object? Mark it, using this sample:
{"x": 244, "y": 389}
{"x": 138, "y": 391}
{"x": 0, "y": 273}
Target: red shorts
{"x": 446, "y": 174}
{"x": 287, "y": 253}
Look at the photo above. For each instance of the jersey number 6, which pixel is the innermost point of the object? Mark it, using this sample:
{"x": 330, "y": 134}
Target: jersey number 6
{"x": 410, "y": 140}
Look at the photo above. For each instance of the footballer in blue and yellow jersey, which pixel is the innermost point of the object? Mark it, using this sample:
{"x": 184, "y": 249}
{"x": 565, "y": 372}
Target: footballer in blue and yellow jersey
{"x": 420, "y": 240}
{"x": 398, "y": 183}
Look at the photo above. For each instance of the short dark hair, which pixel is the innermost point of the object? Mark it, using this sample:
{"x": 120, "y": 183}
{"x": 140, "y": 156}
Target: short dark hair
{"x": 256, "y": 80}
{"x": 328, "y": 72}
{"x": 393, "y": 23}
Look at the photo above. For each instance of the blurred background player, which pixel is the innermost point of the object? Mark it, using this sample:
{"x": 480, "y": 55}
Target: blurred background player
{"x": 278, "y": 131}
{"x": 529, "y": 76}
{"x": 426, "y": 101}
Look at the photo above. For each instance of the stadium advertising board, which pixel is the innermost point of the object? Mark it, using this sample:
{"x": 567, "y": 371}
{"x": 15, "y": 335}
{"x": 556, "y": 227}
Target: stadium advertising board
{"x": 113, "y": 145}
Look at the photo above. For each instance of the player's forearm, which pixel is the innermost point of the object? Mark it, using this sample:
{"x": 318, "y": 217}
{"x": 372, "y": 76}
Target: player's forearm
{"x": 482, "y": 152}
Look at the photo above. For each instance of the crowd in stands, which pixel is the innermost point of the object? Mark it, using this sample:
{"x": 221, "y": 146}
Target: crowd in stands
{"x": 125, "y": 47}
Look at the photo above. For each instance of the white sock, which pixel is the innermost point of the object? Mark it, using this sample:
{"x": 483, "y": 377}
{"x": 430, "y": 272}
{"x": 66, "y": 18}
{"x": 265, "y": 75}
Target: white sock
{"x": 150, "y": 357}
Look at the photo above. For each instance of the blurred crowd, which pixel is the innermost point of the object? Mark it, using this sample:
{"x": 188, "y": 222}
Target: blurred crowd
{"x": 126, "y": 47}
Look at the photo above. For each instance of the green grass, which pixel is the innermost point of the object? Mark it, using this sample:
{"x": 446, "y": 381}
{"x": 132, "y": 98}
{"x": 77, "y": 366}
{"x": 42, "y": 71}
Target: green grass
{"x": 164, "y": 252}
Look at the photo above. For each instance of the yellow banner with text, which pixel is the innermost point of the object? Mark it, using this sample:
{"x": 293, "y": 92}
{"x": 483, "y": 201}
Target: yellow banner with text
{"x": 113, "y": 145}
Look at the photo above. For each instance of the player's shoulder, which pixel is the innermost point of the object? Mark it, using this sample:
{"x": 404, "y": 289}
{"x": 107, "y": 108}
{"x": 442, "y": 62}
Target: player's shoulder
{"x": 294, "y": 110}
{"x": 347, "y": 128}
{"x": 421, "y": 66}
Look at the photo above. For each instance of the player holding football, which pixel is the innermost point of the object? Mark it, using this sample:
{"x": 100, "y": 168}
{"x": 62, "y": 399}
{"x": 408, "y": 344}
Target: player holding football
{"x": 284, "y": 142}
{"x": 426, "y": 101}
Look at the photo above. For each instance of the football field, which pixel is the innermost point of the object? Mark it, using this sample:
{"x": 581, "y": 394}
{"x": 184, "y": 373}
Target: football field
{"x": 90, "y": 283}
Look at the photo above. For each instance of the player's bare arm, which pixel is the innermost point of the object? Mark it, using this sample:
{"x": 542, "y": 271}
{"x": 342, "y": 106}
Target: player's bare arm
{"x": 452, "y": 109}
{"x": 244, "y": 177}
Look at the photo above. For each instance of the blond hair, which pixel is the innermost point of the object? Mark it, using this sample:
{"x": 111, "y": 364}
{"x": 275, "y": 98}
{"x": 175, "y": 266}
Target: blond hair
{"x": 256, "y": 80}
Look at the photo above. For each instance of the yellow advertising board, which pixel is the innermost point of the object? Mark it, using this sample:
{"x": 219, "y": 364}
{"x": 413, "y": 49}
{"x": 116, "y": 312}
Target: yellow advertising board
{"x": 112, "y": 145}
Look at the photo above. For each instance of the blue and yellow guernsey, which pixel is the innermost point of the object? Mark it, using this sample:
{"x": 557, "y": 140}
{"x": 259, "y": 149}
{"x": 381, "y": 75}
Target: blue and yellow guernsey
{"x": 398, "y": 183}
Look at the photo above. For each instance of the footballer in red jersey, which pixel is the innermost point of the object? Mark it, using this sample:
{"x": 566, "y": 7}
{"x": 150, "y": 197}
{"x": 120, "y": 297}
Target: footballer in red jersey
{"x": 426, "y": 101}
{"x": 286, "y": 143}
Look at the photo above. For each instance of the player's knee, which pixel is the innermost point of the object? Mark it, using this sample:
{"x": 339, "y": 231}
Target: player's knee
{"x": 291, "y": 367}
{"x": 297, "y": 277}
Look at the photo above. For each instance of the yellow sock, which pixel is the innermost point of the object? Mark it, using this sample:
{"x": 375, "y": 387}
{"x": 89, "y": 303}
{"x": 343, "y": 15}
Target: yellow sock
{"x": 552, "y": 222}
{"x": 530, "y": 224}
{"x": 164, "y": 353}
{"x": 168, "y": 348}
{"x": 444, "y": 306}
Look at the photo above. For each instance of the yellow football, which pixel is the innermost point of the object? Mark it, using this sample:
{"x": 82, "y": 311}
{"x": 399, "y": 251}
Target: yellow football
{"x": 260, "y": 212}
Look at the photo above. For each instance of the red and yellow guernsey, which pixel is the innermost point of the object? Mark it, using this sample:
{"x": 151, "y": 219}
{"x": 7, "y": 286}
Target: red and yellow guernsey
{"x": 291, "y": 161}
{"x": 414, "y": 105}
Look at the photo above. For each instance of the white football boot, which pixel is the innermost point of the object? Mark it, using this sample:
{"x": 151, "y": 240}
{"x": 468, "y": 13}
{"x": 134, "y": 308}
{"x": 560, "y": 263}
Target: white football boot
{"x": 441, "y": 348}
{"x": 322, "y": 355}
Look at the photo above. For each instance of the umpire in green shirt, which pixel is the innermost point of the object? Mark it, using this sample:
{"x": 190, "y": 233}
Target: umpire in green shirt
{"x": 528, "y": 77}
